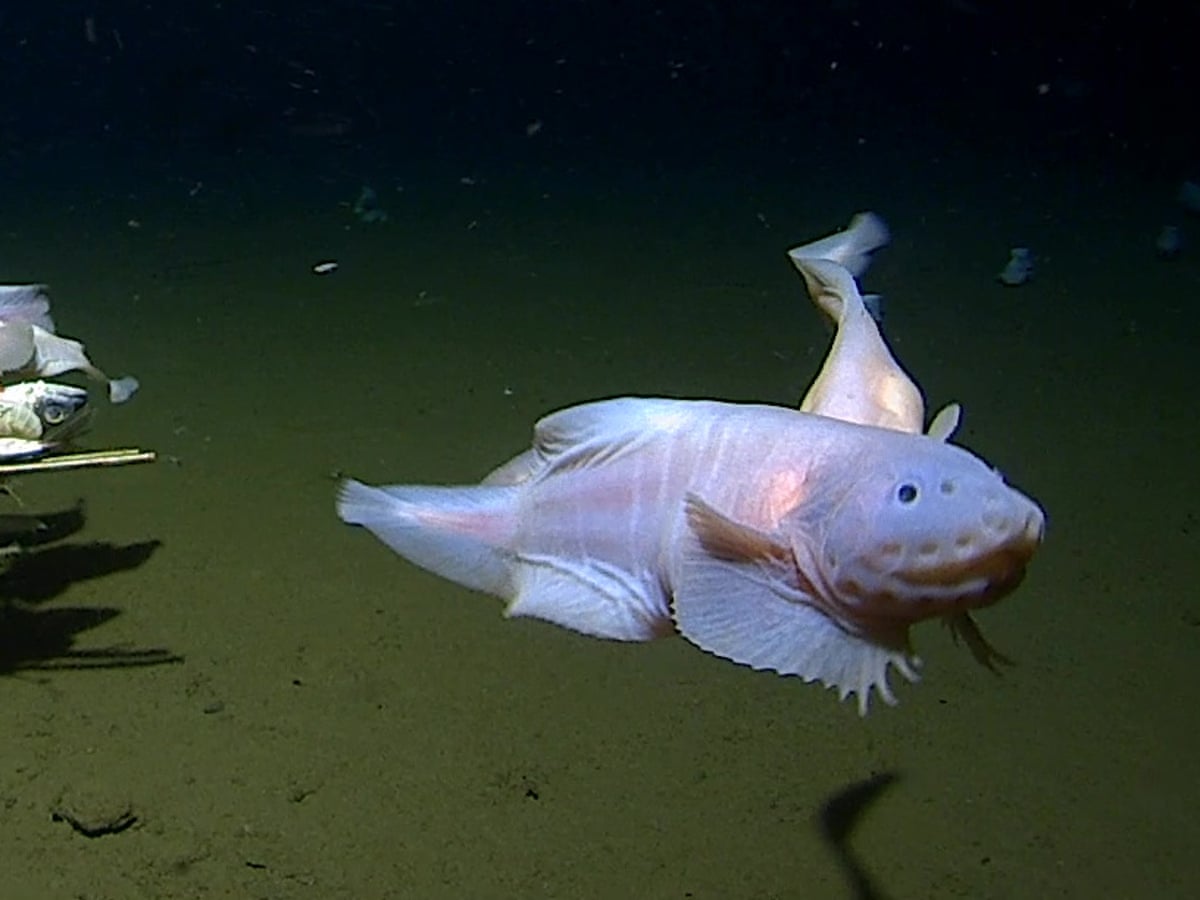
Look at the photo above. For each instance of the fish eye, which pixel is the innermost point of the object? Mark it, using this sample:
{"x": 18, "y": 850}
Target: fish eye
{"x": 54, "y": 413}
{"x": 907, "y": 492}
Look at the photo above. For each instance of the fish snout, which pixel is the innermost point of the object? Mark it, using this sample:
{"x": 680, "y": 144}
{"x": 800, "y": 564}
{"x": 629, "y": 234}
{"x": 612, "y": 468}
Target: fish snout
{"x": 1010, "y": 520}
{"x": 992, "y": 555}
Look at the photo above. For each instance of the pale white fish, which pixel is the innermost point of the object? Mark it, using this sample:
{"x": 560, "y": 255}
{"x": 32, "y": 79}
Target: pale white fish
{"x": 805, "y": 542}
{"x": 30, "y": 347}
{"x": 775, "y": 538}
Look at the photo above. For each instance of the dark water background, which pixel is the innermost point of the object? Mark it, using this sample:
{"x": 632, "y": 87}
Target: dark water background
{"x": 585, "y": 200}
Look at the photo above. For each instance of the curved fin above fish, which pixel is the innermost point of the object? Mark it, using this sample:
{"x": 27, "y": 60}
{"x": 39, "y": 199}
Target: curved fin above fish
{"x": 860, "y": 381}
{"x": 850, "y": 248}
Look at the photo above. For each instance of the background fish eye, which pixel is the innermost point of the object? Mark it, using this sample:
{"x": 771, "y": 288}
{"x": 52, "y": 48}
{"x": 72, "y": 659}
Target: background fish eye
{"x": 54, "y": 413}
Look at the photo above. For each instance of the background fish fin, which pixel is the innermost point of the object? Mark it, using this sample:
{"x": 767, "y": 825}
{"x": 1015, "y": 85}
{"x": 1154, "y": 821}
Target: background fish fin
{"x": 122, "y": 389}
{"x": 851, "y": 248}
{"x": 945, "y": 422}
{"x": 750, "y": 610}
{"x": 860, "y": 381}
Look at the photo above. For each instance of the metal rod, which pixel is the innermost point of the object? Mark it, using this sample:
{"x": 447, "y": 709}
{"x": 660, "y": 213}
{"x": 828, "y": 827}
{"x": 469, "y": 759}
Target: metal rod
{"x": 92, "y": 459}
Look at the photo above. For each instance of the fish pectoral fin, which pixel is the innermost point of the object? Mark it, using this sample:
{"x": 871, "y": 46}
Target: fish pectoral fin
{"x": 737, "y": 597}
{"x": 726, "y": 539}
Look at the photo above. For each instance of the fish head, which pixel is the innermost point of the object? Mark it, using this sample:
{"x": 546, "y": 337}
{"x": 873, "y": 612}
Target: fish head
{"x": 63, "y": 410}
{"x": 44, "y": 411}
{"x": 921, "y": 528}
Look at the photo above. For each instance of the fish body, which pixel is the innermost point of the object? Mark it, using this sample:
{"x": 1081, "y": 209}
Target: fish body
{"x": 776, "y": 538}
{"x": 803, "y": 541}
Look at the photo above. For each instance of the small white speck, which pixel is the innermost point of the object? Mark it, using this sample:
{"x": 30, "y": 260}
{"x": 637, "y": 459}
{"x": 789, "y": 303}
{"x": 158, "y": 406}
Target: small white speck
{"x": 324, "y": 268}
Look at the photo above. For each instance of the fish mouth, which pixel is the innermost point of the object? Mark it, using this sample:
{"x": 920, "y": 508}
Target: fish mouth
{"x": 965, "y": 584}
{"x": 988, "y": 573}
{"x": 879, "y": 599}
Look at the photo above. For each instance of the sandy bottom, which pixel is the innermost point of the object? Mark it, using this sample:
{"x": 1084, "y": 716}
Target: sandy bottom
{"x": 278, "y": 707}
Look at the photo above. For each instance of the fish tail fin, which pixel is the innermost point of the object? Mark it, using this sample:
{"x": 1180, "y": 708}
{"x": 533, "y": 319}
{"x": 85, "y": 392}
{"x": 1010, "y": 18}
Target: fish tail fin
{"x": 460, "y": 533}
{"x": 851, "y": 248}
{"x": 122, "y": 389}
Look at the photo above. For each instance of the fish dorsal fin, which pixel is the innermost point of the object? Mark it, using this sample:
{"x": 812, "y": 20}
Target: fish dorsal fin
{"x": 860, "y": 380}
{"x": 517, "y": 470}
{"x": 589, "y": 433}
{"x": 945, "y": 422}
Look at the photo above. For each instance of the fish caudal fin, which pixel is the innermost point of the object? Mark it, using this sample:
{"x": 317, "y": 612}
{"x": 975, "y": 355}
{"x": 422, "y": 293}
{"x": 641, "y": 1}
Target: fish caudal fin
{"x": 456, "y": 532}
{"x": 122, "y": 389}
{"x": 851, "y": 249}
